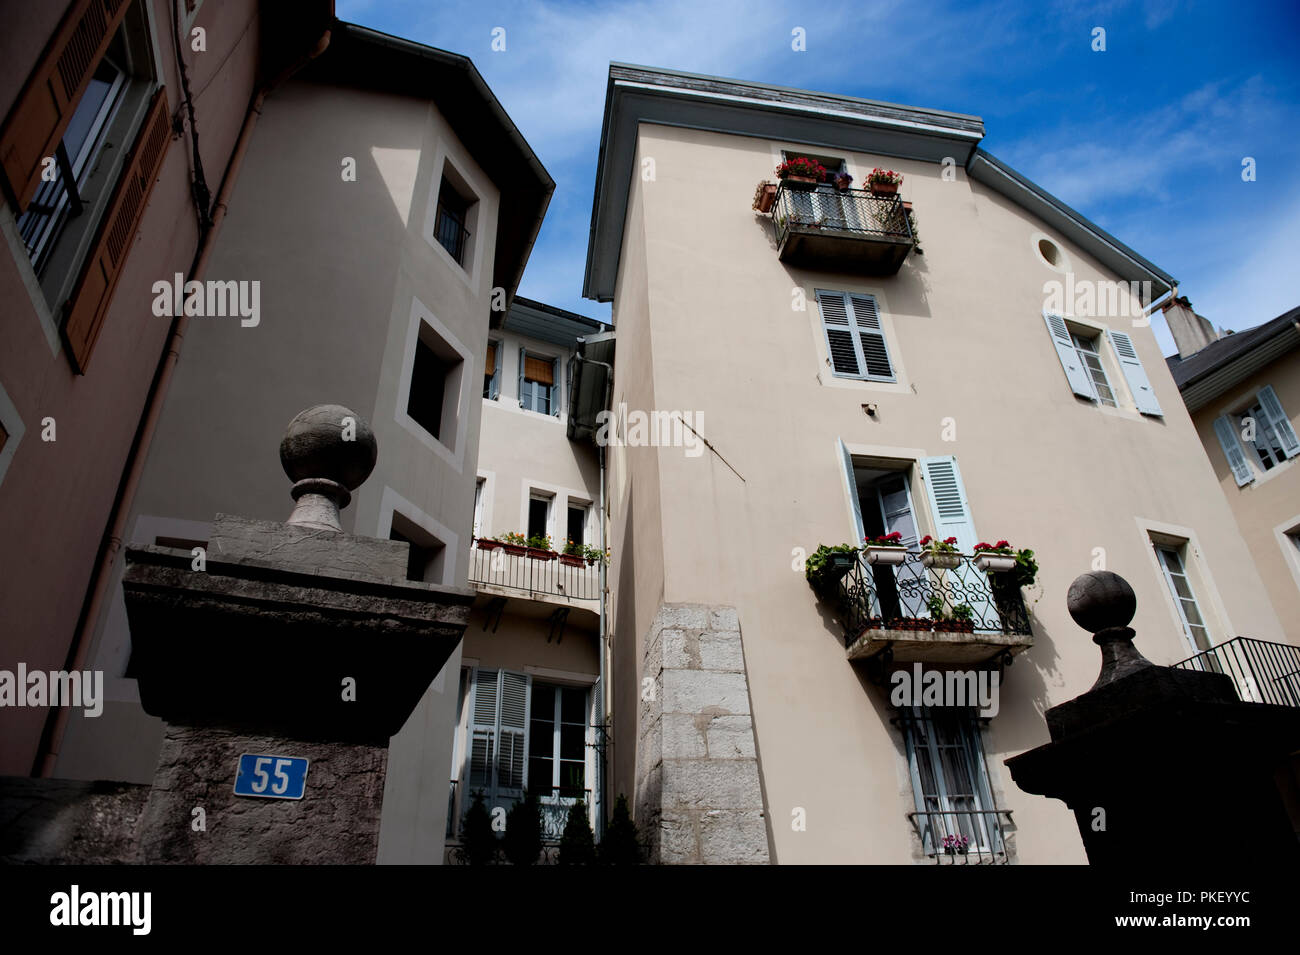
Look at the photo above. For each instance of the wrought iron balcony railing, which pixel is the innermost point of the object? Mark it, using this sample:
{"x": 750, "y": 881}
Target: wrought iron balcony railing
{"x": 905, "y": 597}
{"x": 841, "y": 227}
{"x": 1263, "y": 671}
{"x": 553, "y": 806}
{"x": 963, "y": 836}
{"x": 491, "y": 564}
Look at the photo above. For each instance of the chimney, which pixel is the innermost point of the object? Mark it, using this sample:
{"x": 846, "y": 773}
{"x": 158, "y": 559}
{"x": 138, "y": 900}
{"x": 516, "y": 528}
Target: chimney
{"x": 1191, "y": 332}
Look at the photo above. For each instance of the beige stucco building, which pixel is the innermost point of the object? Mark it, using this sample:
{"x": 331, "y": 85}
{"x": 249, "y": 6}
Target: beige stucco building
{"x": 1243, "y": 392}
{"x": 976, "y": 390}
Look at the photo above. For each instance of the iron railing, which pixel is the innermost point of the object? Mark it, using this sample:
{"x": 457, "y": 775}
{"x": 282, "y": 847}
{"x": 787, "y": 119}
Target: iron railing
{"x": 553, "y": 810}
{"x": 449, "y": 229}
{"x": 1262, "y": 671}
{"x": 904, "y": 597}
{"x": 491, "y": 563}
{"x": 853, "y": 212}
{"x": 962, "y": 836}
{"x": 452, "y": 815}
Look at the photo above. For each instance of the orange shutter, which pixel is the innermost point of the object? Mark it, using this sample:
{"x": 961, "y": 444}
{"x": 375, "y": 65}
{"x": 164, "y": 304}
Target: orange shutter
{"x": 540, "y": 370}
{"x": 41, "y": 114}
{"x": 85, "y": 309}
{"x": 491, "y": 368}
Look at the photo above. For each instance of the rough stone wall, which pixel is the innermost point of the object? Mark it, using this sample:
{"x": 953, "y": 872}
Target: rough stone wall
{"x": 337, "y": 821}
{"x": 698, "y": 797}
{"x": 64, "y": 821}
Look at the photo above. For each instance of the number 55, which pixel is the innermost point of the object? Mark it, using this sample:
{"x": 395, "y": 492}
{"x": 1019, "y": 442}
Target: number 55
{"x": 260, "y": 774}
{"x": 280, "y": 786}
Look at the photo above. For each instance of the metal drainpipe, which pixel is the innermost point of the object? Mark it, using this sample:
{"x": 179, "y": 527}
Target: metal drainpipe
{"x": 103, "y": 574}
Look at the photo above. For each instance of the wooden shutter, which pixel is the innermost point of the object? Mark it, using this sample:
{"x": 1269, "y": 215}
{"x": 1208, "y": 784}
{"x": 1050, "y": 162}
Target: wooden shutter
{"x": 85, "y": 309}
{"x": 952, "y": 518}
{"x": 1134, "y": 374}
{"x": 1075, "y": 373}
{"x": 1281, "y": 423}
{"x": 839, "y": 334}
{"x": 540, "y": 370}
{"x": 40, "y": 116}
{"x": 1232, "y": 450}
{"x": 491, "y": 367}
{"x": 875, "y": 356}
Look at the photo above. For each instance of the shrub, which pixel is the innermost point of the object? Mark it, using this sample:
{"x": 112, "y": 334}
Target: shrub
{"x": 523, "y": 839}
{"x": 577, "y": 843}
{"x": 478, "y": 841}
{"x": 620, "y": 846}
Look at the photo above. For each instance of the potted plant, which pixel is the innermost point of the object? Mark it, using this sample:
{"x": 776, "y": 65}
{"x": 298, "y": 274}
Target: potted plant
{"x": 573, "y": 555}
{"x": 764, "y": 197}
{"x": 884, "y": 182}
{"x": 935, "y": 605}
{"x": 843, "y": 181}
{"x": 826, "y": 565}
{"x": 889, "y": 549}
{"x": 801, "y": 173}
{"x": 963, "y": 618}
{"x": 955, "y": 845}
{"x": 594, "y": 555}
{"x": 994, "y": 558}
{"x": 941, "y": 554}
{"x": 514, "y": 544}
{"x": 539, "y": 547}
{"x": 911, "y": 224}
{"x": 486, "y": 543}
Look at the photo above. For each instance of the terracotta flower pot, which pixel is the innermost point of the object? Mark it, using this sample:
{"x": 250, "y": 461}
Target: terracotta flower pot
{"x": 801, "y": 182}
{"x": 764, "y": 196}
{"x": 485, "y": 544}
{"x": 572, "y": 560}
{"x": 514, "y": 550}
{"x": 536, "y": 553}
{"x": 884, "y": 188}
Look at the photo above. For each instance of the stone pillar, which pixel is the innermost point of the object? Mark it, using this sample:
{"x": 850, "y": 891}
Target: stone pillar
{"x": 287, "y": 640}
{"x": 698, "y": 796}
{"x": 1161, "y": 764}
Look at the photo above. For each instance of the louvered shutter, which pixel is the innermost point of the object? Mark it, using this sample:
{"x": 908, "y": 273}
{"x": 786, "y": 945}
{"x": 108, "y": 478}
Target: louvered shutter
{"x": 490, "y": 366}
{"x": 1232, "y": 450}
{"x": 1075, "y": 373}
{"x": 839, "y": 330}
{"x": 512, "y": 747}
{"x": 952, "y": 518}
{"x": 1134, "y": 373}
{"x": 1277, "y": 417}
{"x": 85, "y": 309}
{"x": 41, "y": 114}
{"x": 871, "y": 337}
{"x": 483, "y": 730}
{"x": 851, "y": 485}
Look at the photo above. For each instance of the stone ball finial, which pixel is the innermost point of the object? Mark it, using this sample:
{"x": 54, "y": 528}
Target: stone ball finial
{"x": 329, "y": 441}
{"x": 1101, "y": 600}
{"x": 327, "y": 451}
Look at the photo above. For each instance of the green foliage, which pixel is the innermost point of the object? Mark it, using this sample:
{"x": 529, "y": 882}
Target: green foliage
{"x": 963, "y": 612}
{"x": 595, "y": 554}
{"x": 478, "y": 841}
{"x": 814, "y": 568}
{"x": 620, "y": 845}
{"x": 577, "y": 843}
{"x": 935, "y": 606}
{"x": 523, "y": 839}
{"x": 540, "y": 542}
{"x": 1026, "y": 568}
{"x": 519, "y": 540}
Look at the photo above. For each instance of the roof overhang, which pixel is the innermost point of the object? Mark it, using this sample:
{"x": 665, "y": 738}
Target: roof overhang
{"x": 1205, "y": 386}
{"x": 363, "y": 58}
{"x": 1067, "y": 223}
{"x": 637, "y": 94}
{"x": 590, "y": 374}
{"x": 547, "y": 323}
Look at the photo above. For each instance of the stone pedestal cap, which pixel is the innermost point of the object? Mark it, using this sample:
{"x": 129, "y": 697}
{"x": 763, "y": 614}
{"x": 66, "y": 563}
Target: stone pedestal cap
{"x": 1103, "y": 603}
{"x": 327, "y": 451}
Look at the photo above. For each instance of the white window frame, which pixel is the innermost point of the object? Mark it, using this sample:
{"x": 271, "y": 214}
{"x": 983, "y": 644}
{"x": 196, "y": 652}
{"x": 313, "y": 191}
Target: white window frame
{"x": 1180, "y": 553}
{"x": 855, "y": 331}
{"x": 1086, "y": 345}
{"x": 989, "y": 826}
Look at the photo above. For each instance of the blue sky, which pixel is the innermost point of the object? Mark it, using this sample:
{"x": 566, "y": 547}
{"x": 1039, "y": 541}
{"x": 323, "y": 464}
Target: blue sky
{"x": 1146, "y": 138}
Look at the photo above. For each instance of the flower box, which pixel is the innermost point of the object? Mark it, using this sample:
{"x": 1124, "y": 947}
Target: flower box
{"x": 883, "y": 188}
{"x": 514, "y": 550}
{"x": 573, "y": 560}
{"x": 484, "y": 543}
{"x": 955, "y": 626}
{"x": 910, "y": 623}
{"x": 536, "y": 553}
{"x": 940, "y": 560}
{"x": 995, "y": 563}
{"x": 885, "y": 555}
{"x": 805, "y": 183}
{"x": 764, "y": 197}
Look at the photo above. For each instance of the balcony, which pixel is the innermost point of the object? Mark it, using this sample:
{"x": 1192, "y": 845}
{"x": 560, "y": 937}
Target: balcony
{"x": 907, "y": 612}
{"x": 963, "y": 836}
{"x": 849, "y": 230}
{"x": 553, "y": 808}
{"x": 1262, "y": 671}
{"x": 505, "y": 573}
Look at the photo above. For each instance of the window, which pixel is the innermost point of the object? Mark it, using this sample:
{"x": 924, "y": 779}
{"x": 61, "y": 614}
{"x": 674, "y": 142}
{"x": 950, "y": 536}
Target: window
{"x": 557, "y": 741}
{"x": 577, "y": 523}
{"x": 1091, "y": 358}
{"x": 1257, "y": 437}
{"x": 81, "y": 148}
{"x": 492, "y": 372}
{"x": 425, "y": 560}
{"x": 824, "y": 205}
{"x": 537, "y": 383}
{"x": 539, "y": 516}
{"x": 855, "y": 340}
{"x": 478, "y": 504}
{"x": 1080, "y": 351}
{"x": 450, "y": 225}
{"x": 435, "y": 385}
{"x": 950, "y": 779}
{"x": 1180, "y": 586}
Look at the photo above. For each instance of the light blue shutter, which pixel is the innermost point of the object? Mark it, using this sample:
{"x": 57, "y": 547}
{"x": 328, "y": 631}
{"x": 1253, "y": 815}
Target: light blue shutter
{"x": 1281, "y": 424}
{"x": 481, "y": 758}
{"x": 512, "y": 745}
{"x": 1138, "y": 383}
{"x": 875, "y": 356}
{"x": 851, "y": 485}
{"x": 952, "y": 518}
{"x": 838, "y": 327}
{"x": 498, "y": 359}
{"x": 555, "y": 387}
{"x": 522, "y": 354}
{"x": 1075, "y": 373}
{"x": 1232, "y": 450}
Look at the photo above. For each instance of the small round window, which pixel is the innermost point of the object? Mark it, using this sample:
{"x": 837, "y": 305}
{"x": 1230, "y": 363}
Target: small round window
{"x": 1050, "y": 252}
